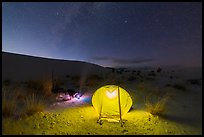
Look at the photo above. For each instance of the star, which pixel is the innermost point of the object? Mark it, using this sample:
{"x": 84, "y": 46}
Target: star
{"x": 126, "y": 21}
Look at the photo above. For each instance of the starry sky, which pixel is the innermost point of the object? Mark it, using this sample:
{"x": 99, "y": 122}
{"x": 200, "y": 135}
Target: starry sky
{"x": 109, "y": 34}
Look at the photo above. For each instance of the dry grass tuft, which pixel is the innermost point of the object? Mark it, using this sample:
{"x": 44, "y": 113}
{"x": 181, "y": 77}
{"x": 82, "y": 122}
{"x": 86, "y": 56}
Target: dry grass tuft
{"x": 18, "y": 102}
{"x": 47, "y": 87}
{"x": 157, "y": 105}
{"x": 9, "y": 103}
{"x": 33, "y": 104}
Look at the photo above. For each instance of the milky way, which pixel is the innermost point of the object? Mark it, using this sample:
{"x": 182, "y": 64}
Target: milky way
{"x": 107, "y": 34}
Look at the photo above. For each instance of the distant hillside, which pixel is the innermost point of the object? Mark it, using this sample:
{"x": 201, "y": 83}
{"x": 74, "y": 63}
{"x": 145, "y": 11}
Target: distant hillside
{"x": 23, "y": 67}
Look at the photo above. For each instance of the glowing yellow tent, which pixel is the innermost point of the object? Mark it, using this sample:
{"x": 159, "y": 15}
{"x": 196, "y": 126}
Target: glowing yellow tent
{"x": 111, "y": 101}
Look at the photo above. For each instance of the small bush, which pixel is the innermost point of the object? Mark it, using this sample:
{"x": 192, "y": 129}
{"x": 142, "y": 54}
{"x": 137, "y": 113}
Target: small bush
{"x": 159, "y": 70}
{"x": 156, "y": 106}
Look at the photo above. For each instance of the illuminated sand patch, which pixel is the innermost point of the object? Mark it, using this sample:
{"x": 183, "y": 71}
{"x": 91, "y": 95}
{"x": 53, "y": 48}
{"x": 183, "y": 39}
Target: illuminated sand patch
{"x": 82, "y": 121}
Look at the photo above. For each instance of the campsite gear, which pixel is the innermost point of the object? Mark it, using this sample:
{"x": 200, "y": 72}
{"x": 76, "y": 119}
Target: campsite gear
{"x": 111, "y": 101}
{"x": 63, "y": 96}
{"x": 67, "y": 95}
{"x": 77, "y": 95}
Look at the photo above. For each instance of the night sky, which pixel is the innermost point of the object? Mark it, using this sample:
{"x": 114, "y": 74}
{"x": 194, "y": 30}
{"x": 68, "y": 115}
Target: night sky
{"x": 107, "y": 34}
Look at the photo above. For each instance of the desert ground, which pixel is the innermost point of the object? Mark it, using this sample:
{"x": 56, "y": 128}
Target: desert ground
{"x": 29, "y": 109}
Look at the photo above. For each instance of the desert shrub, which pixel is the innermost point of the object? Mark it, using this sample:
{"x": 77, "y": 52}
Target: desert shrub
{"x": 194, "y": 81}
{"x": 9, "y": 102}
{"x": 34, "y": 103}
{"x": 152, "y": 73}
{"x": 43, "y": 86}
{"x": 47, "y": 87}
{"x": 138, "y": 72}
{"x": 156, "y": 105}
{"x": 19, "y": 102}
{"x": 179, "y": 87}
{"x": 159, "y": 70}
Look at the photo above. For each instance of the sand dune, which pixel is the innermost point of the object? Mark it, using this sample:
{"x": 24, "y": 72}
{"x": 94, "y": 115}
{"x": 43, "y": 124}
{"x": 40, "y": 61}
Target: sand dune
{"x": 23, "y": 67}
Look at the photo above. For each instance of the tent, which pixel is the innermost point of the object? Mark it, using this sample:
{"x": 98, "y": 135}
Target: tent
{"x": 111, "y": 101}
